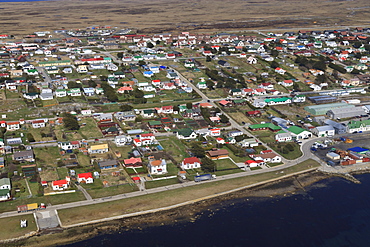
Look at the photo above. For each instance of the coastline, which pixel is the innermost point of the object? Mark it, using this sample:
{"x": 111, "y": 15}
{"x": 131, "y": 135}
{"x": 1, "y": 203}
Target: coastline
{"x": 283, "y": 186}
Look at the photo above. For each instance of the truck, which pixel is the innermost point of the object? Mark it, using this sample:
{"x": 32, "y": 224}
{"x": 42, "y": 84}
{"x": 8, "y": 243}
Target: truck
{"x": 30, "y": 207}
{"x": 346, "y": 139}
{"x": 204, "y": 177}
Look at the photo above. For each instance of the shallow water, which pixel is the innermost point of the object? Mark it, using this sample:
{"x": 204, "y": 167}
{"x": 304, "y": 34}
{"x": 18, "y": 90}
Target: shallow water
{"x": 332, "y": 212}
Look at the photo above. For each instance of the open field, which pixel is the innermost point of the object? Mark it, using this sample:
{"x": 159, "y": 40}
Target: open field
{"x": 13, "y": 228}
{"x": 159, "y": 15}
{"x": 162, "y": 199}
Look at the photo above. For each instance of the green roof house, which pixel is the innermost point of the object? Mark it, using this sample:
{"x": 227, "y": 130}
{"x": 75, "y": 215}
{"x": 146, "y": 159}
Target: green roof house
{"x": 299, "y": 133}
{"x": 186, "y": 134}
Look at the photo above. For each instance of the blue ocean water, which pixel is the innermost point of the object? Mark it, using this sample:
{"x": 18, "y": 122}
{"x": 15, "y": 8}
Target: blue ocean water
{"x": 332, "y": 212}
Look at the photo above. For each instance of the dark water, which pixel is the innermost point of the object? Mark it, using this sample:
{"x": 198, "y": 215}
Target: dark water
{"x": 332, "y": 213}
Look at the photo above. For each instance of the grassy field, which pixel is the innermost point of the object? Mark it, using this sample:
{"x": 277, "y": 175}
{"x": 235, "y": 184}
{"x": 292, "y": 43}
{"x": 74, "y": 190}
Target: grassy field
{"x": 90, "y": 129}
{"x": 167, "y": 198}
{"x": 47, "y": 155}
{"x": 113, "y": 190}
{"x": 174, "y": 147}
{"x": 12, "y": 229}
{"x": 160, "y": 183}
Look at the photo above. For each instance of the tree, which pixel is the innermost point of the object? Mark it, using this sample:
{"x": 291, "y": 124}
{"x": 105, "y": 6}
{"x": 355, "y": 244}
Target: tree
{"x": 149, "y": 45}
{"x": 319, "y": 65}
{"x": 30, "y": 137}
{"x": 197, "y": 150}
{"x": 189, "y": 105}
{"x": 224, "y": 119}
{"x": 274, "y": 64}
{"x": 126, "y": 107}
{"x": 176, "y": 108}
{"x": 70, "y": 122}
{"x": 73, "y": 84}
{"x": 210, "y": 84}
{"x": 208, "y": 165}
{"x": 138, "y": 93}
{"x": 141, "y": 63}
{"x": 274, "y": 53}
{"x": 91, "y": 83}
{"x": 208, "y": 59}
{"x": 120, "y": 55}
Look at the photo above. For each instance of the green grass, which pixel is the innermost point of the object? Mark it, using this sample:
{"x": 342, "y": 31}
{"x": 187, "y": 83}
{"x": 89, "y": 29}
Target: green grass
{"x": 47, "y": 155}
{"x": 83, "y": 160}
{"x": 174, "y": 147}
{"x": 113, "y": 190}
{"x": 235, "y": 158}
{"x": 12, "y": 229}
{"x": 62, "y": 172}
{"x": 33, "y": 186}
{"x": 256, "y": 168}
{"x": 160, "y": 183}
{"x": 65, "y": 198}
{"x": 90, "y": 130}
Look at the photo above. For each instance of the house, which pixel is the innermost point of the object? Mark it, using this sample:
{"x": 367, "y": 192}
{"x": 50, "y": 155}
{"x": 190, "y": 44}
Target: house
{"x": 98, "y": 149}
{"x": 4, "y": 194}
{"x": 74, "y": 92}
{"x": 253, "y": 113}
{"x": 13, "y": 125}
{"x": 358, "y": 126}
{"x": 46, "y": 94}
{"x": 283, "y": 137}
{"x": 149, "y": 113}
{"x": 133, "y": 162}
{"x": 40, "y": 123}
{"x": 69, "y": 145}
{"x": 108, "y": 164}
{"x": 24, "y": 156}
{"x": 89, "y": 91}
{"x": 287, "y": 83}
{"x": 60, "y": 93}
{"x": 60, "y": 184}
{"x": 223, "y": 63}
{"x": 5, "y": 184}
{"x": 122, "y": 140}
{"x": 165, "y": 109}
{"x": 280, "y": 71}
{"x": 266, "y": 157}
{"x": 248, "y": 142}
{"x": 299, "y": 133}
{"x": 86, "y": 178}
{"x": 216, "y": 154}
{"x": 157, "y": 167}
{"x": 186, "y": 134}
{"x": 323, "y": 131}
{"x": 190, "y": 163}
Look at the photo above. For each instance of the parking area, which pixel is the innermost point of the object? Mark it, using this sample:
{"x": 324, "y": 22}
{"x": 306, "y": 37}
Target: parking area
{"x": 359, "y": 140}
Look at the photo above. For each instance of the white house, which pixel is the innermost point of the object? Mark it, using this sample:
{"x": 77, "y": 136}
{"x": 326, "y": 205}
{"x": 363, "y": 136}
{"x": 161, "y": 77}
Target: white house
{"x": 122, "y": 140}
{"x": 299, "y": 133}
{"x": 283, "y": 137}
{"x": 266, "y": 157}
{"x": 85, "y": 178}
{"x": 5, "y": 184}
{"x": 60, "y": 184}
{"x": 190, "y": 163}
{"x": 157, "y": 166}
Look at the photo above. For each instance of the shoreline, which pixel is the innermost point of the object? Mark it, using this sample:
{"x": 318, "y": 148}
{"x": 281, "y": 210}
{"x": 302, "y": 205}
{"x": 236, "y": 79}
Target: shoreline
{"x": 189, "y": 211}
{"x": 287, "y": 185}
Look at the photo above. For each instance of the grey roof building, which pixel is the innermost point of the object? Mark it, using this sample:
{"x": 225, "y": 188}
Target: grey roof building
{"x": 339, "y": 128}
{"x": 347, "y": 112}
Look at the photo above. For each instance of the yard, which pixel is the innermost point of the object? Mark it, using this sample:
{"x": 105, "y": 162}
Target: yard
{"x": 113, "y": 190}
{"x": 174, "y": 147}
{"x": 36, "y": 133}
{"x": 47, "y": 156}
{"x": 160, "y": 183}
{"x": 226, "y": 166}
{"x": 89, "y": 129}
{"x": 12, "y": 228}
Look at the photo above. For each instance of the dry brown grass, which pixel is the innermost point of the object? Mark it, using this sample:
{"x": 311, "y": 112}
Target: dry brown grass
{"x": 166, "y": 15}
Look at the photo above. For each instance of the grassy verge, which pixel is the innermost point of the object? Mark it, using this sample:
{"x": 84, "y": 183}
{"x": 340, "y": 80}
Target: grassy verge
{"x": 171, "y": 197}
{"x": 160, "y": 183}
{"x": 13, "y": 228}
{"x": 112, "y": 190}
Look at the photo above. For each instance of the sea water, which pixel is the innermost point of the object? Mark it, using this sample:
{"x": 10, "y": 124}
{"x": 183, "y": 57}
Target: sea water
{"x": 332, "y": 212}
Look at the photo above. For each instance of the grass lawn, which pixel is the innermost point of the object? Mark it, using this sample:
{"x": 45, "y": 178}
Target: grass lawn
{"x": 13, "y": 229}
{"x": 83, "y": 160}
{"x": 21, "y": 184}
{"x": 122, "y": 150}
{"x": 225, "y": 164}
{"x": 47, "y": 155}
{"x": 36, "y": 133}
{"x": 291, "y": 155}
{"x": 33, "y": 186}
{"x": 65, "y": 198}
{"x": 171, "y": 197}
{"x": 174, "y": 147}
{"x": 112, "y": 190}
{"x": 160, "y": 183}
{"x": 235, "y": 158}
{"x": 62, "y": 172}
{"x": 256, "y": 168}
{"x": 90, "y": 129}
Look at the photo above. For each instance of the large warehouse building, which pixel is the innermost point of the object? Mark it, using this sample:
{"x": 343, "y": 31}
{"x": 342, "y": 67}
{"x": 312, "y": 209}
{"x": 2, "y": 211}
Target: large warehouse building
{"x": 323, "y": 109}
